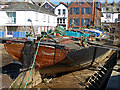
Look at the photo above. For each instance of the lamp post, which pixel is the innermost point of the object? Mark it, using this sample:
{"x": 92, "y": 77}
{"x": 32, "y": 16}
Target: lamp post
{"x": 29, "y": 20}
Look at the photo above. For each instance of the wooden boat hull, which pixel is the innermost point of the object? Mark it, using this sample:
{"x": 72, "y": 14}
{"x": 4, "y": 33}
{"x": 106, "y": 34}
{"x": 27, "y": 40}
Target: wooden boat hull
{"x": 46, "y": 55}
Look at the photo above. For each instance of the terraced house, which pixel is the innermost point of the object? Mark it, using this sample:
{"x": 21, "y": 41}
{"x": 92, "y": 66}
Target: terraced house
{"x": 110, "y": 12}
{"x": 24, "y": 16}
{"x": 83, "y": 14}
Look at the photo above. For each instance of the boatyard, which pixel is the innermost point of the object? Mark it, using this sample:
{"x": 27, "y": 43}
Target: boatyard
{"x": 59, "y": 45}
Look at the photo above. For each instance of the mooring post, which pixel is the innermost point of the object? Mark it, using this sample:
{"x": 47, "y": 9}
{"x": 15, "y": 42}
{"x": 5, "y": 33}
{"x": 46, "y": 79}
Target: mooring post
{"x": 93, "y": 59}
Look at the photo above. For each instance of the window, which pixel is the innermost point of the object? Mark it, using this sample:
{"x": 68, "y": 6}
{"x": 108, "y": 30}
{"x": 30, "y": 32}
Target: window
{"x": 107, "y": 8}
{"x": 70, "y": 21}
{"x": 46, "y": 6}
{"x": 116, "y": 20}
{"x": 86, "y": 10}
{"x": 11, "y": 17}
{"x": 59, "y": 11}
{"x": 119, "y": 17}
{"x": 103, "y": 9}
{"x": 76, "y": 22}
{"x": 76, "y": 10}
{"x": 81, "y": 2}
{"x": 63, "y": 11}
{"x": 82, "y": 10}
{"x": 85, "y": 22}
{"x": 117, "y": 9}
{"x": 99, "y": 22}
{"x": 63, "y": 20}
{"x": 44, "y": 19}
{"x": 60, "y": 20}
{"x": 108, "y": 15}
{"x": 71, "y": 10}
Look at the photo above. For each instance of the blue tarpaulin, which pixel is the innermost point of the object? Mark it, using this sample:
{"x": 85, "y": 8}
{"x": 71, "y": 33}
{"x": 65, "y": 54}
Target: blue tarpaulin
{"x": 19, "y": 34}
{"x": 76, "y": 34}
{"x": 1, "y": 33}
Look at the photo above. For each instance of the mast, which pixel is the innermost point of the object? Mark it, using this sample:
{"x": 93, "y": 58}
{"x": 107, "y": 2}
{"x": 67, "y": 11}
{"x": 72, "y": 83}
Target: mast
{"x": 93, "y": 13}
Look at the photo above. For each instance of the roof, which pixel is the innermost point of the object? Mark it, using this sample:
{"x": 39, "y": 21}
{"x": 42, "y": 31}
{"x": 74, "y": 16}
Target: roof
{"x": 111, "y": 7}
{"x": 88, "y": 1}
{"x": 25, "y": 6}
{"x": 7, "y": 3}
{"x": 65, "y": 4}
{"x": 53, "y": 5}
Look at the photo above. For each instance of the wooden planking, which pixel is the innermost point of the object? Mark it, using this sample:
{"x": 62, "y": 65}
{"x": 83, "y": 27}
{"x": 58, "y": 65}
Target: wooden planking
{"x": 45, "y": 56}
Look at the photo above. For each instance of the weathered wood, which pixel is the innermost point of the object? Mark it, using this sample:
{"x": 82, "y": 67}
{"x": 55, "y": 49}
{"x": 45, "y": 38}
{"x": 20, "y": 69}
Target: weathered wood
{"x": 21, "y": 80}
{"x": 103, "y": 46}
{"x": 3, "y": 40}
{"x": 27, "y": 55}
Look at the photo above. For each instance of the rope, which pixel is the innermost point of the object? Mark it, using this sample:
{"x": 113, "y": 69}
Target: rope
{"x": 35, "y": 58}
{"x": 34, "y": 61}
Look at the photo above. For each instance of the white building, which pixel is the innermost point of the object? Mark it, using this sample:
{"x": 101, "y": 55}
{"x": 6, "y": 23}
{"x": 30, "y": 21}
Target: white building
{"x": 110, "y": 12}
{"x": 62, "y": 15}
{"x": 23, "y": 15}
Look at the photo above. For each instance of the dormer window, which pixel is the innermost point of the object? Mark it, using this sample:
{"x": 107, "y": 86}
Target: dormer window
{"x": 46, "y": 6}
{"x": 107, "y": 8}
{"x": 117, "y": 9}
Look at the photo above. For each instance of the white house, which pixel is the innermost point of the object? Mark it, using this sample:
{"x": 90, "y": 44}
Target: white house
{"x": 62, "y": 15}
{"x": 110, "y": 12}
{"x": 23, "y": 15}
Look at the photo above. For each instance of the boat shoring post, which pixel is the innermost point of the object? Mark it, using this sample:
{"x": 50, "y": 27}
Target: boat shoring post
{"x": 93, "y": 59}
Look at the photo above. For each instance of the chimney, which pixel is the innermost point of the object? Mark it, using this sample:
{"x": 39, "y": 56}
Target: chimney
{"x": 106, "y": 1}
{"x": 42, "y": 1}
{"x": 113, "y": 3}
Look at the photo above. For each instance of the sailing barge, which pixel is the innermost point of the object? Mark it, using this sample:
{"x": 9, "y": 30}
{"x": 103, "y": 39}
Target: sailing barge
{"x": 65, "y": 52}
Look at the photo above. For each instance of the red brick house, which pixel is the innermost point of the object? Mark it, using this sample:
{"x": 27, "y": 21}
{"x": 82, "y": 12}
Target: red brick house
{"x": 81, "y": 14}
